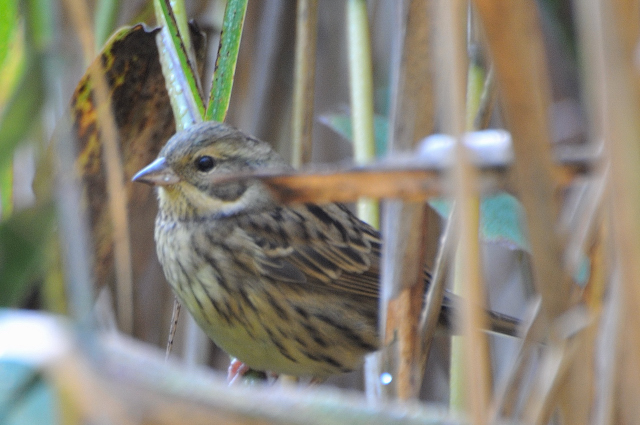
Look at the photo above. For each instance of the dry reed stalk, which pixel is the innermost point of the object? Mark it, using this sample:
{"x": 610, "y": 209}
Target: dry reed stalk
{"x": 605, "y": 346}
{"x": 475, "y": 386}
{"x": 515, "y": 41}
{"x": 114, "y": 170}
{"x": 608, "y": 348}
{"x": 133, "y": 384}
{"x": 550, "y": 380}
{"x": 608, "y": 33}
{"x": 621, "y": 131}
{"x": 585, "y": 229}
{"x": 412, "y": 118}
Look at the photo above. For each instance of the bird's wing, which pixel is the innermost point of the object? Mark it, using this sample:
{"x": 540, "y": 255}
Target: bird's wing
{"x": 325, "y": 246}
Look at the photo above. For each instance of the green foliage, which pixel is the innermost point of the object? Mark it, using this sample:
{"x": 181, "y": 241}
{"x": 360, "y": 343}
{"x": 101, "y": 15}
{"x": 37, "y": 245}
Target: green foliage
{"x": 184, "y": 93}
{"x": 23, "y": 241}
{"x": 501, "y": 219}
{"x": 8, "y": 27}
{"x": 502, "y": 222}
{"x": 25, "y": 33}
{"x": 226, "y": 62}
{"x": 23, "y": 108}
{"x": 22, "y": 88}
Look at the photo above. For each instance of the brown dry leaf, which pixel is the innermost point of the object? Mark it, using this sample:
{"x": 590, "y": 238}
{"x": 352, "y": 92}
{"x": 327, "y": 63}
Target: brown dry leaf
{"x": 144, "y": 120}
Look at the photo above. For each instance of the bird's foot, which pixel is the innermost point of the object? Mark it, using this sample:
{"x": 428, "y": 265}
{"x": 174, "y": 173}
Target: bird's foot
{"x": 236, "y": 371}
{"x": 240, "y": 372}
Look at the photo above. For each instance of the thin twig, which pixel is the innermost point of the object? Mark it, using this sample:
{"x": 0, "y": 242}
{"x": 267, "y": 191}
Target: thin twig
{"x": 487, "y": 101}
{"x": 568, "y": 340}
{"x": 607, "y": 352}
{"x": 175, "y": 315}
{"x": 507, "y": 392}
{"x": 585, "y": 221}
{"x": 434, "y": 296}
{"x": 552, "y": 370}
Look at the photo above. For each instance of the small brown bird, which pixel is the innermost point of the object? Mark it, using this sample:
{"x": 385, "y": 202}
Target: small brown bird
{"x": 288, "y": 289}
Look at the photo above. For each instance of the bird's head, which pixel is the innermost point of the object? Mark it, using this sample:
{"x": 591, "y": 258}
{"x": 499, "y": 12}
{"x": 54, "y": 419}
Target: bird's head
{"x": 186, "y": 170}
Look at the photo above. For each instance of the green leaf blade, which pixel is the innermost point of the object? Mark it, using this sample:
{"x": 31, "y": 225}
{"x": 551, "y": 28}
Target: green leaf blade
{"x": 226, "y": 61}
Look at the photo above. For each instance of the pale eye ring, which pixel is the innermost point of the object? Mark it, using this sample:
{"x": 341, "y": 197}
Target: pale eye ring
{"x": 205, "y": 163}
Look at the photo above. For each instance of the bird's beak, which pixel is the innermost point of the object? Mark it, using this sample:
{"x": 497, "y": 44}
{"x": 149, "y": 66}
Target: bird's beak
{"x": 158, "y": 173}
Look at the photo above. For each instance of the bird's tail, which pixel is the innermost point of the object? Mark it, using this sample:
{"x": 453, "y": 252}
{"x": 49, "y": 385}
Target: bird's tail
{"x": 498, "y": 323}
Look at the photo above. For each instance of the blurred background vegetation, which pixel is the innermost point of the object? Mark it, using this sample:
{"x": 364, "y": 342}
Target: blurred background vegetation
{"x": 560, "y": 75}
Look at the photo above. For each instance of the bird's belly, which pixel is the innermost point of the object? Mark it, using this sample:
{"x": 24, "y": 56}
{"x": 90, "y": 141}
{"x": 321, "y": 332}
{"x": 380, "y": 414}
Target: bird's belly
{"x": 267, "y": 325}
{"x": 261, "y": 340}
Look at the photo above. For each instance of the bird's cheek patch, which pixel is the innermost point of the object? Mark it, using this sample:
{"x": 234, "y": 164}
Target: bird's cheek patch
{"x": 228, "y": 192}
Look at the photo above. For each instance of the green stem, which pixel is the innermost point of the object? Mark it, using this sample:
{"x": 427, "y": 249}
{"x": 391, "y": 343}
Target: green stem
{"x": 226, "y": 62}
{"x": 304, "y": 80}
{"x": 187, "y": 81}
{"x": 180, "y": 13}
{"x": 361, "y": 86}
{"x": 6, "y": 191}
{"x": 475, "y": 86}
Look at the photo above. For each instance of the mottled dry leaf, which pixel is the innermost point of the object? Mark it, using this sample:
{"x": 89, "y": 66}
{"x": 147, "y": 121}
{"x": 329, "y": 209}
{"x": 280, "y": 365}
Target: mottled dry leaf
{"x": 144, "y": 120}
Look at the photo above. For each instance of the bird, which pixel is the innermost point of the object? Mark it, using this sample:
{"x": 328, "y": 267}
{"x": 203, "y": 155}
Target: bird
{"x": 289, "y": 289}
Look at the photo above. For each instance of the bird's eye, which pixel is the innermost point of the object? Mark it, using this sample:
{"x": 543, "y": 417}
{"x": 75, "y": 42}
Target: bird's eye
{"x": 205, "y": 163}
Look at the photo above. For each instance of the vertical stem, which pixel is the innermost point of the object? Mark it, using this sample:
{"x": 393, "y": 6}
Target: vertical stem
{"x": 222, "y": 84}
{"x": 180, "y": 12}
{"x": 178, "y": 67}
{"x": 608, "y": 34}
{"x": 522, "y": 76}
{"x": 114, "y": 171}
{"x": 6, "y": 191}
{"x": 304, "y": 80}
{"x": 405, "y": 224}
{"x": 475, "y": 85}
{"x": 361, "y": 86}
{"x": 470, "y": 376}
{"x": 621, "y": 131}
